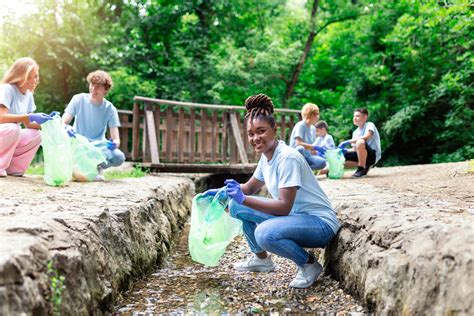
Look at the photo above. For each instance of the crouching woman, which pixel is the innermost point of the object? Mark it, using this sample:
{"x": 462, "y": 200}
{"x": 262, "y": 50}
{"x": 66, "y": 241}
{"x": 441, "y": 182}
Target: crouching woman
{"x": 18, "y": 145}
{"x": 299, "y": 214}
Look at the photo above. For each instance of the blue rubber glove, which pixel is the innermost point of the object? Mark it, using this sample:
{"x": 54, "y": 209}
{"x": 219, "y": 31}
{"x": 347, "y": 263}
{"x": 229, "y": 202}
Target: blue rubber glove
{"x": 234, "y": 191}
{"x": 344, "y": 144}
{"x": 343, "y": 150}
{"x": 320, "y": 149}
{"x": 39, "y": 118}
{"x": 54, "y": 113}
{"x": 111, "y": 145}
{"x": 210, "y": 192}
{"x": 70, "y": 131}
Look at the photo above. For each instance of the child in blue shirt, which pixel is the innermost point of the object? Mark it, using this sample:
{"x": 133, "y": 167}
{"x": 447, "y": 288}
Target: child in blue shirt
{"x": 323, "y": 139}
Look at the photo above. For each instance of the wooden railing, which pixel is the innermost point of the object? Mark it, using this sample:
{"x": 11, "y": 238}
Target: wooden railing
{"x": 163, "y": 131}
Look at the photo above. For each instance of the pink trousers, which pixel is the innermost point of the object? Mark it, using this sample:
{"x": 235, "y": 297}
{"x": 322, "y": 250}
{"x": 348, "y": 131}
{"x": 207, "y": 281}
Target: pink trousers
{"x": 17, "y": 148}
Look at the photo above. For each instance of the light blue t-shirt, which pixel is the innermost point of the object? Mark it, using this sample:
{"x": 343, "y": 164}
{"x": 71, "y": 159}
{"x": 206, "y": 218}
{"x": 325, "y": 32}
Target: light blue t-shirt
{"x": 92, "y": 120}
{"x": 15, "y": 101}
{"x": 326, "y": 141}
{"x": 373, "y": 142}
{"x": 288, "y": 168}
{"x": 303, "y": 131}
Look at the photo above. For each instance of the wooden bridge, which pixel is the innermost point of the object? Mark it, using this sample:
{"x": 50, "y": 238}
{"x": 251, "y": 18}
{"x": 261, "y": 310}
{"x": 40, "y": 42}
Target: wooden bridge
{"x": 173, "y": 136}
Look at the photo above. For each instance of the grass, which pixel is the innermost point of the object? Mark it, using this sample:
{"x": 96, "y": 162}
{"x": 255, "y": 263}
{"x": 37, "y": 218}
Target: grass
{"x": 136, "y": 172}
{"x": 36, "y": 169}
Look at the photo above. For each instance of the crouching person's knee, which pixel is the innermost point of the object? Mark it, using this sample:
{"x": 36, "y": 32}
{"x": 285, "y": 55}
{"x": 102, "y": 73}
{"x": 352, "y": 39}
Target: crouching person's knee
{"x": 264, "y": 236}
{"x": 118, "y": 158}
{"x": 300, "y": 149}
{"x": 234, "y": 209}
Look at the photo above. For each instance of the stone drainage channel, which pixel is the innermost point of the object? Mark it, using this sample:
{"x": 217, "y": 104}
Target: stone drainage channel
{"x": 182, "y": 287}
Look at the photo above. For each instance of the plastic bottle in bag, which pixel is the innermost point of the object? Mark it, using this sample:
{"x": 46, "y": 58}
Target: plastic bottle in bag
{"x": 335, "y": 159}
{"x": 212, "y": 229}
{"x": 217, "y": 206}
{"x": 86, "y": 158}
{"x": 57, "y": 152}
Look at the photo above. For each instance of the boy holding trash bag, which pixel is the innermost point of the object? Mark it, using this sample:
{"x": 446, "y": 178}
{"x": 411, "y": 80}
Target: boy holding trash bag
{"x": 92, "y": 114}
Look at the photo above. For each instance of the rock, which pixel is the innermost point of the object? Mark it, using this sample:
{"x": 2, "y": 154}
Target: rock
{"x": 99, "y": 236}
{"x": 402, "y": 254}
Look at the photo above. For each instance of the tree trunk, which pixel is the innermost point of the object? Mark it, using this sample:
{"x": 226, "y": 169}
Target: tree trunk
{"x": 290, "y": 85}
{"x": 296, "y": 72}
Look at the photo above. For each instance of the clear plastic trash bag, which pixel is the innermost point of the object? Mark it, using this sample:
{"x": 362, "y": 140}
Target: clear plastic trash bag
{"x": 212, "y": 228}
{"x": 335, "y": 159}
{"x": 86, "y": 157}
{"x": 57, "y": 152}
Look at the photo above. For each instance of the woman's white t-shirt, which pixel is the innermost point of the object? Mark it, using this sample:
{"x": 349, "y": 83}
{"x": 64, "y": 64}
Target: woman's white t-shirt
{"x": 288, "y": 168}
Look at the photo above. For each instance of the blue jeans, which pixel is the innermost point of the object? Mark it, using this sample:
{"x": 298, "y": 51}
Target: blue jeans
{"x": 315, "y": 162}
{"x": 282, "y": 235}
{"x": 114, "y": 157}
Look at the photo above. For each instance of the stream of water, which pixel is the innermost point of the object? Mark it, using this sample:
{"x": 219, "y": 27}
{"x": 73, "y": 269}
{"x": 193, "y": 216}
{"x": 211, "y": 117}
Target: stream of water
{"x": 183, "y": 287}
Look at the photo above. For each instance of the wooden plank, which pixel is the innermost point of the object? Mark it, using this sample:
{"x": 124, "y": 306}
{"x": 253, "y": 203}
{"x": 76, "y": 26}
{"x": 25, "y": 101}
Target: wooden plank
{"x": 157, "y": 116}
{"x": 135, "y": 131}
{"x": 232, "y": 146}
{"x": 203, "y": 135}
{"x": 238, "y": 138}
{"x": 123, "y": 132}
{"x": 291, "y": 124}
{"x": 225, "y": 138}
{"x": 153, "y": 143}
{"x": 245, "y": 138}
{"x": 181, "y": 135}
{"x": 283, "y": 127}
{"x": 214, "y": 136}
{"x": 145, "y": 150}
{"x": 201, "y": 168}
{"x": 169, "y": 133}
{"x": 202, "y": 105}
{"x": 192, "y": 138}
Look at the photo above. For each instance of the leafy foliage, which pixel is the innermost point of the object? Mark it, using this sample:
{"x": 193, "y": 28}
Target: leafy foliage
{"x": 408, "y": 62}
{"x": 56, "y": 287}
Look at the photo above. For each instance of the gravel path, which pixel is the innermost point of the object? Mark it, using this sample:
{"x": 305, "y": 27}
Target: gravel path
{"x": 182, "y": 286}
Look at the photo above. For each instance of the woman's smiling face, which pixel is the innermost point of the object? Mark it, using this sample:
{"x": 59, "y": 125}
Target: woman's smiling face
{"x": 261, "y": 136}
{"x": 31, "y": 82}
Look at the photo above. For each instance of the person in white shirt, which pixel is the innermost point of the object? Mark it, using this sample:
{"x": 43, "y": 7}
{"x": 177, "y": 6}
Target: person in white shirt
{"x": 323, "y": 139}
{"x": 299, "y": 215}
{"x": 303, "y": 136}
{"x": 365, "y": 149}
{"x": 19, "y": 145}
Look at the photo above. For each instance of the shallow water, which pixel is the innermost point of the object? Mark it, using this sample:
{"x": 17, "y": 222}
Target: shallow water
{"x": 183, "y": 287}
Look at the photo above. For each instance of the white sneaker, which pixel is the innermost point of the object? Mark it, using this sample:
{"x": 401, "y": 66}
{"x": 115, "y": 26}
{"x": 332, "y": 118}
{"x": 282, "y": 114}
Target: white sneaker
{"x": 307, "y": 275}
{"x": 3, "y": 173}
{"x": 100, "y": 175}
{"x": 255, "y": 264}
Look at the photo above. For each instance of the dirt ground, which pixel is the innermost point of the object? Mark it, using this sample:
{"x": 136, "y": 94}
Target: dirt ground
{"x": 183, "y": 286}
{"x": 449, "y": 182}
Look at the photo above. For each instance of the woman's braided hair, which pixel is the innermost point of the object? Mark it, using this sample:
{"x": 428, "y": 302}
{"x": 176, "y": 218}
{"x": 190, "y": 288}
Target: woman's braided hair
{"x": 260, "y": 107}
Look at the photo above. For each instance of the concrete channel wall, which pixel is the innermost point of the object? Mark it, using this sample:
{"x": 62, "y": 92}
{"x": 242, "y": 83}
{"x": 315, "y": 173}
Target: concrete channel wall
{"x": 399, "y": 252}
{"x": 99, "y": 236}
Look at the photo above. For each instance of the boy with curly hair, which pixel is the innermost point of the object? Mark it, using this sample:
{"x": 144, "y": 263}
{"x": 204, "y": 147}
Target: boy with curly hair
{"x": 92, "y": 114}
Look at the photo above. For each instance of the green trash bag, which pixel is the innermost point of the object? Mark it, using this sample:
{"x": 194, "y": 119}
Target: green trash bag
{"x": 335, "y": 159}
{"x": 86, "y": 157}
{"x": 212, "y": 228}
{"x": 56, "y": 151}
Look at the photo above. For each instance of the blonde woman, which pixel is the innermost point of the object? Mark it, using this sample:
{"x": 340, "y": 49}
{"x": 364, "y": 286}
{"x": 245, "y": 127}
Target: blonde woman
{"x": 18, "y": 145}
